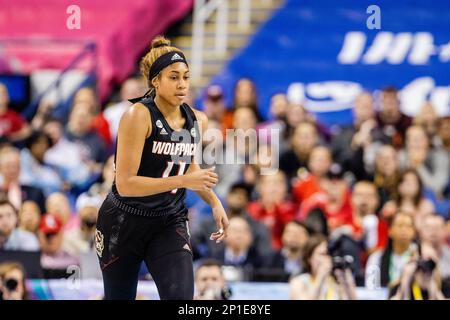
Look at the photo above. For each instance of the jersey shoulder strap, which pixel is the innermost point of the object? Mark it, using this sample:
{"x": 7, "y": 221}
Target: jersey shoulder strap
{"x": 150, "y": 104}
{"x": 192, "y": 122}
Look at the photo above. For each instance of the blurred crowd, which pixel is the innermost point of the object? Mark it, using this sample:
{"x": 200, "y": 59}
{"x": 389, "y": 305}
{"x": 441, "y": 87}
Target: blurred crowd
{"x": 364, "y": 205}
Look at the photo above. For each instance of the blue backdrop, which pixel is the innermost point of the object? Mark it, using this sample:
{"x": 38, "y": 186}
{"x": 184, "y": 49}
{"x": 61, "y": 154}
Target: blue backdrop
{"x": 326, "y": 47}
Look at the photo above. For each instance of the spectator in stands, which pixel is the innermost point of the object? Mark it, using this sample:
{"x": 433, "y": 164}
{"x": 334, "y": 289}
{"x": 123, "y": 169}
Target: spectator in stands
{"x": 237, "y": 200}
{"x": 429, "y": 120}
{"x": 251, "y": 174}
{"x": 67, "y": 157}
{"x": 191, "y": 96}
{"x": 81, "y": 240}
{"x": 54, "y": 260}
{"x": 244, "y": 119}
{"x": 295, "y": 114}
{"x": 349, "y": 144}
{"x": 238, "y": 251}
{"x": 10, "y": 184}
{"x": 215, "y": 108}
{"x": 100, "y": 190}
{"x": 433, "y": 233}
{"x": 29, "y": 217}
{"x": 131, "y": 88}
{"x": 79, "y": 130}
{"x": 409, "y": 198}
{"x": 384, "y": 267}
{"x": 263, "y": 162}
{"x": 12, "y": 125}
{"x": 58, "y": 205}
{"x": 210, "y": 282}
{"x": 273, "y": 208}
{"x": 448, "y": 230}
{"x": 278, "y": 108}
{"x": 13, "y": 282}
{"x": 213, "y": 139}
{"x": 213, "y": 147}
{"x": 364, "y": 205}
{"x": 34, "y": 171}
{"x": 287, "y": 261}
{"x": 444, "y": 141}
{"x": 320, "y": 280}
{"x": 303, "y": 141}
{"x": 99, "y": 124}
{"x": 333, "y": 207}
{"x": 444, "y": 133}
{"x": 308, "y": 182}
{"x": 11, "y": 237}
{"x": 420, "y": 278}
{"x": 432, "y": 164}
{"x": 279, "y": 105}
{"x": 387, "y": 173}
{"x": 246, "y": 96}
{"x": 237, "y": 151}
{"x": 391, "y": 121}
{"x": 334, "y": 200}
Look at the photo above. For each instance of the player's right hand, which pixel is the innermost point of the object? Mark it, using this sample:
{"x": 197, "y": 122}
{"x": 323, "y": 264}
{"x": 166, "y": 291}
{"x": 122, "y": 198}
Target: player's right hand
{"x": 203, "y": 179}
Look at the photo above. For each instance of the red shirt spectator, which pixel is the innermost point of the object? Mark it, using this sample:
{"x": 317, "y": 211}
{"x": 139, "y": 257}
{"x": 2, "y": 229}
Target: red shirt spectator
{"x": 274, "y": 218}
{"x": 305, "y": 187}
{"x": 101, "y": 126}
{"x": 334, "y": 201}
{"x": 272, "y": 208}
{"x": 10, "y": 122}
{"x": 12, "y": 125}
{"x": 319, "y": 164}
{"x": 365, "y": 200}
{"x": 336, "y": 215}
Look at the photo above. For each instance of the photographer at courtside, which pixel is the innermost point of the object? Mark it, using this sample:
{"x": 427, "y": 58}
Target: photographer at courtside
{"x": 326, "y": 277}
{"x": 210, "y": 282}
{"x": 420, "y": 279}
{"x": 12, "y": 282}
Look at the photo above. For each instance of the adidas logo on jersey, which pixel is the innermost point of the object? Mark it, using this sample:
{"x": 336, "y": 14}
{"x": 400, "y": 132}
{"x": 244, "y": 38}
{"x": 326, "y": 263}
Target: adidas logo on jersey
{"x": 163, "y": 131}
{"x": 176, "y": 56}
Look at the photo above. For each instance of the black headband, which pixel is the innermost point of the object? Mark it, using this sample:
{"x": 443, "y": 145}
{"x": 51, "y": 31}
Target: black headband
{"x": 166, "y": 60}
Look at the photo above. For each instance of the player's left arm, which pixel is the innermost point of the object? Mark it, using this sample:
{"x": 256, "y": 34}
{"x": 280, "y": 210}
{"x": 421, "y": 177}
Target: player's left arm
{"x": 209, "y": 196}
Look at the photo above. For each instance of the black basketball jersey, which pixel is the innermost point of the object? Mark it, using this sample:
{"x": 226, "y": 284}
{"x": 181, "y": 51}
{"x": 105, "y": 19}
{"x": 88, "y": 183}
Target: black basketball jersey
{"x": 166, "y": 153}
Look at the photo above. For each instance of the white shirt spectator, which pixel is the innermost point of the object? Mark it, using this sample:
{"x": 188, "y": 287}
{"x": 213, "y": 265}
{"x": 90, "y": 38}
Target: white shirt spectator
{"x": 75, "y": 243}
{"x": 66, "y": 156}
{"x": 373, "y": 268}
{"x": 34, "y": 174}
{"x": 113, "y": 114}
{"x": 444, "y": 262}
{"x": 21, "y": 240}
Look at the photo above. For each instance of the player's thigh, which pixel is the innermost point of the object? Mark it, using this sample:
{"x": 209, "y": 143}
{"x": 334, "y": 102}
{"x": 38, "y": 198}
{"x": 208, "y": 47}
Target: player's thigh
{"x": 170, "y": 261}
{"x": 117, "y": 234}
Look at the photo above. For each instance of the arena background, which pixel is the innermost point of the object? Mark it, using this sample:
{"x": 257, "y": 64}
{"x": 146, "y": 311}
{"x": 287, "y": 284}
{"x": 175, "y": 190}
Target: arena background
{"x": 304, "y": 61}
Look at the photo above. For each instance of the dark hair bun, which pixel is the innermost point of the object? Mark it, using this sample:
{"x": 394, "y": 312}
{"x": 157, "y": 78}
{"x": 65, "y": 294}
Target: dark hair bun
{"x": 160, "y": 41}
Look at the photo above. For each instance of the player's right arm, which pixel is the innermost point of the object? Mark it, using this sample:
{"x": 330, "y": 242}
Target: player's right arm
{"x": 134, "y": 128}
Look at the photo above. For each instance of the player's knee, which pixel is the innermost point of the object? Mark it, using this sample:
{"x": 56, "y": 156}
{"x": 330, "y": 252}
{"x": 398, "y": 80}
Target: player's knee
{"x": 177, "y": 291}
{"x": 181, "y": 285}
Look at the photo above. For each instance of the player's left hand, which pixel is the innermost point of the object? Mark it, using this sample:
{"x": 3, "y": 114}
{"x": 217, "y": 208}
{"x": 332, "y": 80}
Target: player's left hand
{"x": 222, "y": 223}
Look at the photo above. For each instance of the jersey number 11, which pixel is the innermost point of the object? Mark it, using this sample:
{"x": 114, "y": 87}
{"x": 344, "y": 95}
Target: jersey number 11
{"x": 167, "y": 173}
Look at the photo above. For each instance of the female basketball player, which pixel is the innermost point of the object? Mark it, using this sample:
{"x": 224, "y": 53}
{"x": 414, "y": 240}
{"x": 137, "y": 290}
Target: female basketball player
{"x": 144, "y": 217}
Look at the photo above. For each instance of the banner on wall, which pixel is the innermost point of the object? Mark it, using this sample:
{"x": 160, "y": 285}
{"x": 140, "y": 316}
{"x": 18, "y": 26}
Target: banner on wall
{"x": 324, "y": 54}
